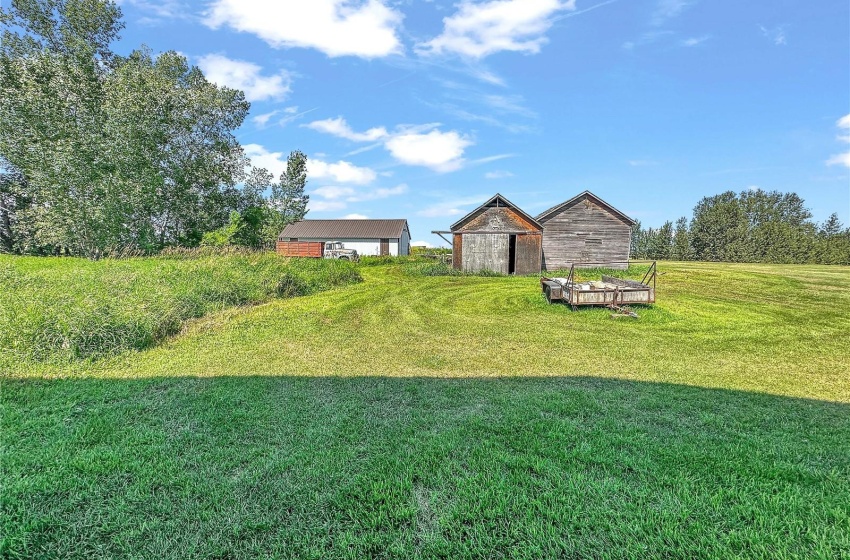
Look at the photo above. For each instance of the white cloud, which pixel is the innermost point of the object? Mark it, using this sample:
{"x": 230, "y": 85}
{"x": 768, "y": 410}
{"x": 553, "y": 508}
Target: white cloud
{"x": 240, "y": 74}
{"x": 844, "y": 122}
{"x": 334, "y": 197}
{"x": 340, "y": 172}
{"x": 339, "y": 127}
{"x": 668, "y": 9}
{"x": 262, "y": 120}
{"x": 275, "y": 162}
{"x": 421, "y": 244}
{"x": 355, "y": 217}
{"x": 498, "y": 175}
{"x": 450, "y": 208}
{"x": 332, "y": 192}
{"x": 840, "y": 159}
{"x": 775, "y": 34}
{"x": 694, "y": 41}
{"x": 382, "y": 193}
{"x": 478, "y": 30}
{"x": 291, "y": 110}
{"x": 325, "y": 205}
{"x": 159, "y": 10}
{"x": 843, "y": 158}
{"x": 335, "y": 27}
{"x": 422, "y": 145}
{"x": 440, "y": 151}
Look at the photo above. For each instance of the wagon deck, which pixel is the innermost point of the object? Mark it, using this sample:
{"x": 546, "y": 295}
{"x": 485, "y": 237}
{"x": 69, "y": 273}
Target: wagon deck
{"x": 610, "y": 292}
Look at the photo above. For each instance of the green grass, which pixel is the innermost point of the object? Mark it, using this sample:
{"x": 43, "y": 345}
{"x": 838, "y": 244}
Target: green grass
{"x": 425, "y": 416}
{"x": 60, "y": 309}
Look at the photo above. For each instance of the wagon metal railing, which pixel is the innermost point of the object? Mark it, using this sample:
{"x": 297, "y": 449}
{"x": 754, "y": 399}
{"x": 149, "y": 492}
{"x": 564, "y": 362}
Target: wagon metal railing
{"x": 568, "y": 290}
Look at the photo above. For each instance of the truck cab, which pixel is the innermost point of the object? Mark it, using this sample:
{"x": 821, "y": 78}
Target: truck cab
{"x": 336, "y": 250}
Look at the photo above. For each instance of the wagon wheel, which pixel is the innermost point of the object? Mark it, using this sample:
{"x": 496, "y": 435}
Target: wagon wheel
{"x": 548, "y": 293}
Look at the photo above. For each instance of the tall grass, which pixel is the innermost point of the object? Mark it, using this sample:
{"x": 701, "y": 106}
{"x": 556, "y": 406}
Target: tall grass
{"x": 60, "y": 309}
{"x": 430, "y": 267}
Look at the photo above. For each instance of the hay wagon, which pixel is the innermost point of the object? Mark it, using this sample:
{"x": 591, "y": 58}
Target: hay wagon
{"x": 609, "y": 292}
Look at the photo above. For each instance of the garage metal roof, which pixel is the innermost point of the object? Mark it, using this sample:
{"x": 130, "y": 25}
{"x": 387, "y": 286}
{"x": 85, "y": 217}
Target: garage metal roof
{"x": 345, "y": 229}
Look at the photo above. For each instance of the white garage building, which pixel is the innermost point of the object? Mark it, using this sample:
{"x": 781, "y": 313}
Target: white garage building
{"x": 367, "y": 237}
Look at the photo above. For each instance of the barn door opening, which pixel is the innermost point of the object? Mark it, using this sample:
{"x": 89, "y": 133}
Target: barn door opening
{"x": 512, "y": 255}
{"x": 385, "y": 247}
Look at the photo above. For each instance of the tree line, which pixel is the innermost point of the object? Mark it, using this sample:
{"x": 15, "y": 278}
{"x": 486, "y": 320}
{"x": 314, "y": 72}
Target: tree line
{"x": 753, "y": 226}
{"x": 101, "y": 152}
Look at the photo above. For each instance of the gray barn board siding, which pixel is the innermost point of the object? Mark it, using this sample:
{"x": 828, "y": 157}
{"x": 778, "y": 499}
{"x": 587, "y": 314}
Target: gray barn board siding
{"x": 485, "y": 251}
{"x": 566, "y": 235}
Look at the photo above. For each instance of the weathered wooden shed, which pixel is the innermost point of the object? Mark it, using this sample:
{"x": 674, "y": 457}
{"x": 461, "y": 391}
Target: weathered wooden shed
{"x": 497, "y": 236}
{"x": 585, "y": 229}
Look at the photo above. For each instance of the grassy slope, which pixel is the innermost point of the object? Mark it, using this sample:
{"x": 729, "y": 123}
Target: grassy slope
{"x": 456, "y": 417}
{"x": 60, "y": 309}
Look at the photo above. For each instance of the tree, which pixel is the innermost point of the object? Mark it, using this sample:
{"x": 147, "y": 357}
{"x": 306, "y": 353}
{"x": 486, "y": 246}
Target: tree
{"x": 660, "y": 242}
{"x": 719, "y": 229}
{"x": 53, "y": 58}
{"x": 112, "y": 151}
{"x": 638, "y": 245}
{"x": 287, "y": 202}
{"x": 180, "y": 162}
{"x": 681, "y": 250}
{"x": 833, "y": 242}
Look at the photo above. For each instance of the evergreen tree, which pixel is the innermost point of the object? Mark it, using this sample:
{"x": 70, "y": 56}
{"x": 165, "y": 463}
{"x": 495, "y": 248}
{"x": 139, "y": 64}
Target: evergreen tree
{"x": 681, "y": 241}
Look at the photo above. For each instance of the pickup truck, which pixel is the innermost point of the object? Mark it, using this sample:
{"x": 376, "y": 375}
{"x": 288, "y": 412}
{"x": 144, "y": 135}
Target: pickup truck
{"x": 317, "y": 250}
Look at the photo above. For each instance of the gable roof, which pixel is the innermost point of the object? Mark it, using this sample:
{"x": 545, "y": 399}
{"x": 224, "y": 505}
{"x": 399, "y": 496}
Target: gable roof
{"x": 543, "y": 217}
{"x": 498, "y": 201}
{"x": 346, "y": 229}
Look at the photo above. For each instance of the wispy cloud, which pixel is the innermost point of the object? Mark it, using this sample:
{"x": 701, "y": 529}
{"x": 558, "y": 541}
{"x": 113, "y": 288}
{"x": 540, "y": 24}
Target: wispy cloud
{"x": 157, "y": 12}
{"x": 332, "y": 197}
{"x": 775, "y": 34}
{"x": 498, "y": 175}
{"x": 340, "y": 128}
{"x": 669, "y": 9}
{"x": 694, "y": 41}
{"x": 451, "y": 207}
{"x": 647, "y": 38}
{"x": 480, "y": 29}
{"x": 262, "y": 120}
{"x": 842, "y": 158}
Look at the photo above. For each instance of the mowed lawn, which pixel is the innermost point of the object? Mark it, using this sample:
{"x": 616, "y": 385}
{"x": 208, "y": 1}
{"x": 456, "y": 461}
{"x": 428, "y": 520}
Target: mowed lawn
{"x": 453, "y": 417}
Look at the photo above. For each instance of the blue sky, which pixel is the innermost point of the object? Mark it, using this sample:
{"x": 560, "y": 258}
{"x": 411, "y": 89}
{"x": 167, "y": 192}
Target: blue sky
{"x": 424, "y": 109}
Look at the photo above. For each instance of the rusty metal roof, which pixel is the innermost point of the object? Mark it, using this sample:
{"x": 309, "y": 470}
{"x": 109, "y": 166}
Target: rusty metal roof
{"x": 544, "y": 216}
{"x": 346, "y": 229}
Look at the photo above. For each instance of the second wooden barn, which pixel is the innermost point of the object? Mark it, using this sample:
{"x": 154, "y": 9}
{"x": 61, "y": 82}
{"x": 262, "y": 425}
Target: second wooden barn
{"x": 497, "y": 236}
{"x": 585, "y": 230}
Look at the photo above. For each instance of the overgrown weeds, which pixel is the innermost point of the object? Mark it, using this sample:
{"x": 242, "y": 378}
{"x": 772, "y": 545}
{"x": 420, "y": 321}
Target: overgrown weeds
{"x": 61, "y": 309}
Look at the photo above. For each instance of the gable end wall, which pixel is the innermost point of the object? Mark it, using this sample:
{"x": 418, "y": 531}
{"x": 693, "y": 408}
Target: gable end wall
{"x": 565, "y": 235}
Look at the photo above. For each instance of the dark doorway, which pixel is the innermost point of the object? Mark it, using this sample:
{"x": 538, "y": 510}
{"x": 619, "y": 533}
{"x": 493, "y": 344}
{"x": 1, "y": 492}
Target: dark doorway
{"x": 385, "y": 247}
{"x": 512, "y": 255}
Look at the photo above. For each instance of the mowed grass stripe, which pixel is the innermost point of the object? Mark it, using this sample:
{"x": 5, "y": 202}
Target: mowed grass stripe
{"x": 455, "y": 417}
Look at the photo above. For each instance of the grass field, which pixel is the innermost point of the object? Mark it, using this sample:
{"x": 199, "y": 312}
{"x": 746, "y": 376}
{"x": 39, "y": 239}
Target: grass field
{"x": 458, "y": 417}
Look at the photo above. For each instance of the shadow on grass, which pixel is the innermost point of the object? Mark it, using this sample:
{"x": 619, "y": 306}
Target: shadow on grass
{"x": 307, "y": 467}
